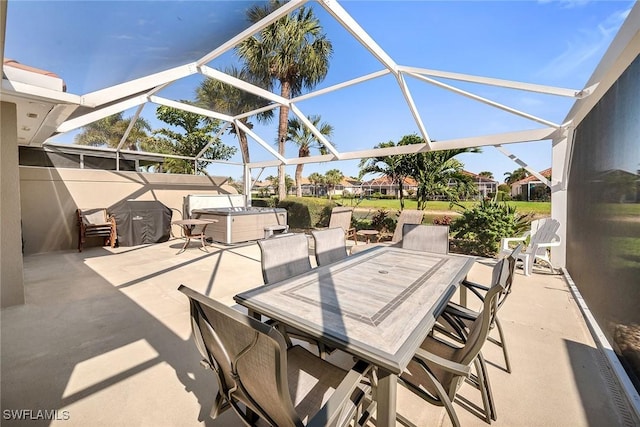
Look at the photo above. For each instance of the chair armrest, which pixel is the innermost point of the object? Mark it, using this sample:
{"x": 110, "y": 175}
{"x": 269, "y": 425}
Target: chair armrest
{"x": 504, "y": 242}
{"x": 433, "y": 359}
{"x": 555, "y": 242}
{"x": 460, "y": 311}
{"x": 475, "y": 288}
{"x": 469, "y": 284}
{"x": 334, "y": 408}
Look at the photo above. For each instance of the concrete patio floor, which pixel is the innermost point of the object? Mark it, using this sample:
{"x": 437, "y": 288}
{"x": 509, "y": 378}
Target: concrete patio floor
{"x": 105, "y": 339}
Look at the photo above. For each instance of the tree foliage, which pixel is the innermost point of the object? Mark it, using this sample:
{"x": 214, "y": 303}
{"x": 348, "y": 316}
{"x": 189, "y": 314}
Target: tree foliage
{"x": 481, "y": 227}
{"x": 299, "y": 134}
{"x": 515, "y": 176}
{"x": 437, "y": 173}
{"x": 332, "y": 178}
{"x": 293, "y": 53}
{"x": 194, "y": 134}
{"x": 397, "y": 168}
{"x": 108, "y": 132}
{"x": 227, "y": 99}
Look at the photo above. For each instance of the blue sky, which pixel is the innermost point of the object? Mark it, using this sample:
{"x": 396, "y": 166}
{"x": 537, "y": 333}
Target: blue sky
{"x": 94, "y": 44}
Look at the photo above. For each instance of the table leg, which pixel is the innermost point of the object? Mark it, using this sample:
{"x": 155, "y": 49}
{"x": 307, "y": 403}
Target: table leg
{"x": 186, "y": 243}
{"x": 386, "y": 397}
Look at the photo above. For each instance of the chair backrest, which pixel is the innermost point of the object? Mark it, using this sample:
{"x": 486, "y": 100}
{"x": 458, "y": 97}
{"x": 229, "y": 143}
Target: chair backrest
{"x": 427, "y": 238}
{"x": 480, "y": 328}
{"x": 341, "y": 217}
{"x": 96, "y": 216}
{"x": 546, "y": 233}
{"x": 407, "y": 216}
{"x": 248, "y": 357}
{"x": 330, "y": 245}
{"x": 509, "y": 270}
{"x": 284, "y": 256}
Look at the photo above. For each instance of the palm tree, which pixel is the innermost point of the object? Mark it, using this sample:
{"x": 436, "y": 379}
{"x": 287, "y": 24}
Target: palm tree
{"x": 515, "y": 176}
{"x": 486, "y": 174}
{"x": 110, "y": 130}
{"x": 439, "y": 173}
{"x": 302, "y": 136}
{"x": 294, "y": 52}
{"x": 316, "y": 179}
{"x": 397, "y": 168}
{"x": 224, "y": 98}
{"x": 332, "y": 178}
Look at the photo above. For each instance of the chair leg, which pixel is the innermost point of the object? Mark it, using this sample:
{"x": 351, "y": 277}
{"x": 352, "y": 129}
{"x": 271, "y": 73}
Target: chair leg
{"x": 527, "y": 260}
{"x": 503, "y": 344}
{"x": 485, "y": 389}
{"x": 445, "y": 399}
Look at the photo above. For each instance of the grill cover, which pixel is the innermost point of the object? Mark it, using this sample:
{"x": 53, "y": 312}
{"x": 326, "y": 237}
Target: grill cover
{"x": 141, "y": 222}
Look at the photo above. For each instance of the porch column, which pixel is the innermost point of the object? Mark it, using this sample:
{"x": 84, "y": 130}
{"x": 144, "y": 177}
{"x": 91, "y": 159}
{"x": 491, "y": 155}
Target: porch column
{"x": 11, "y": 280}
{"x": 559, "y": 178}
{"x": 247, "y": 185}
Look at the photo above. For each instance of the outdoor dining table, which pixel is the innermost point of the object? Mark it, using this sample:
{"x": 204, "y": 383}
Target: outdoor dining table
{"x": 378, "y": 305}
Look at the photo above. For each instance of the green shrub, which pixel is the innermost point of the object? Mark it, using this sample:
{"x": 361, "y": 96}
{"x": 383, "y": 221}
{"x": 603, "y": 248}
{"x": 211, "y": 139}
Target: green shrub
{"x": 503, "y": 196}
{"x": 481, "y": 227}
{"x": 380, "y": 220}
{"x": 304, "y": 212}
{"x": 361, "y": 223}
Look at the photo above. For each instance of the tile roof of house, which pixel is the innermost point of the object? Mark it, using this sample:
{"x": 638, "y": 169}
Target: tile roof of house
{"x": 546, "y": 173}
{"x": 386, "y": 181}
{"x": 478, "y": 177}
{"x": 346, "y": 182}
{"x": 15, "y": 64}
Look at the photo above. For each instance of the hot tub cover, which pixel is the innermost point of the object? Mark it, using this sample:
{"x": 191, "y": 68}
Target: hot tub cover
{"x": 141, "y": 222}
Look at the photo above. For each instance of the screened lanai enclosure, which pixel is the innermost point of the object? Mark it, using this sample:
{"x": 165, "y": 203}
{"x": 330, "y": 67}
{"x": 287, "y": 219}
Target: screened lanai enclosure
{"x": 555, "y": 91}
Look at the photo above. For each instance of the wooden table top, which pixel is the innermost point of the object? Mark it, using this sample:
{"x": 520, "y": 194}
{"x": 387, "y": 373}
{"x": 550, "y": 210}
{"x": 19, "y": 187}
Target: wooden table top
{"x": 378, "y": 305}
{"x": 365, "y": 232}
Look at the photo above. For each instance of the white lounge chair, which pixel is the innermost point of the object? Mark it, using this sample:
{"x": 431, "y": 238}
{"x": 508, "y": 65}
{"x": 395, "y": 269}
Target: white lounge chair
{"x": 543, "y": 235}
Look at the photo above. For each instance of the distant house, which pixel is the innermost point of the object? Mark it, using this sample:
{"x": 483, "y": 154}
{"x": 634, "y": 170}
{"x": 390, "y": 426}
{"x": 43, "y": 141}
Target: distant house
{"x": 263, "y": 188}
{"x": 384, "y": 185}
{"x": 617, "y": 186}
{"x": 347, "y": 185}
{"x": 530, "y": 188}
{"x": 486, "y": 186}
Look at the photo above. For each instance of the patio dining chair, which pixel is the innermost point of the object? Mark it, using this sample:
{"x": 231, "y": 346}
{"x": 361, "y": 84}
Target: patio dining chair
{"x": 407, "y": 216}
{"x": 460, "y": 318}
{"x": 341, "y": 217}
{"x": 263, "y": 379}
{"x": 542, "y": 237}
{"x": 329, "y": 245}
{"x": 439, "y": 368}
{"x": 284, "y": 256}
{"x": 96, "y": 223}
{"x": 426, "y": 238}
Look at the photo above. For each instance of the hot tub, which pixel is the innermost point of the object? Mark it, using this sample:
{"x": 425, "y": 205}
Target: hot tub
{"x": 236, "y": 225}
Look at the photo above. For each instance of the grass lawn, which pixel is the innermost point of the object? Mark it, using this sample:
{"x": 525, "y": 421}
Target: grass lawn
{"x": 540, "y": 209}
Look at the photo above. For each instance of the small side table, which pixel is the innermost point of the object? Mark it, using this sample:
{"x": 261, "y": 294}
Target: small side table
{"x": 188, "y": 225}
{"x": 368, "y": 234}
{"x": 272, "y": 230}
